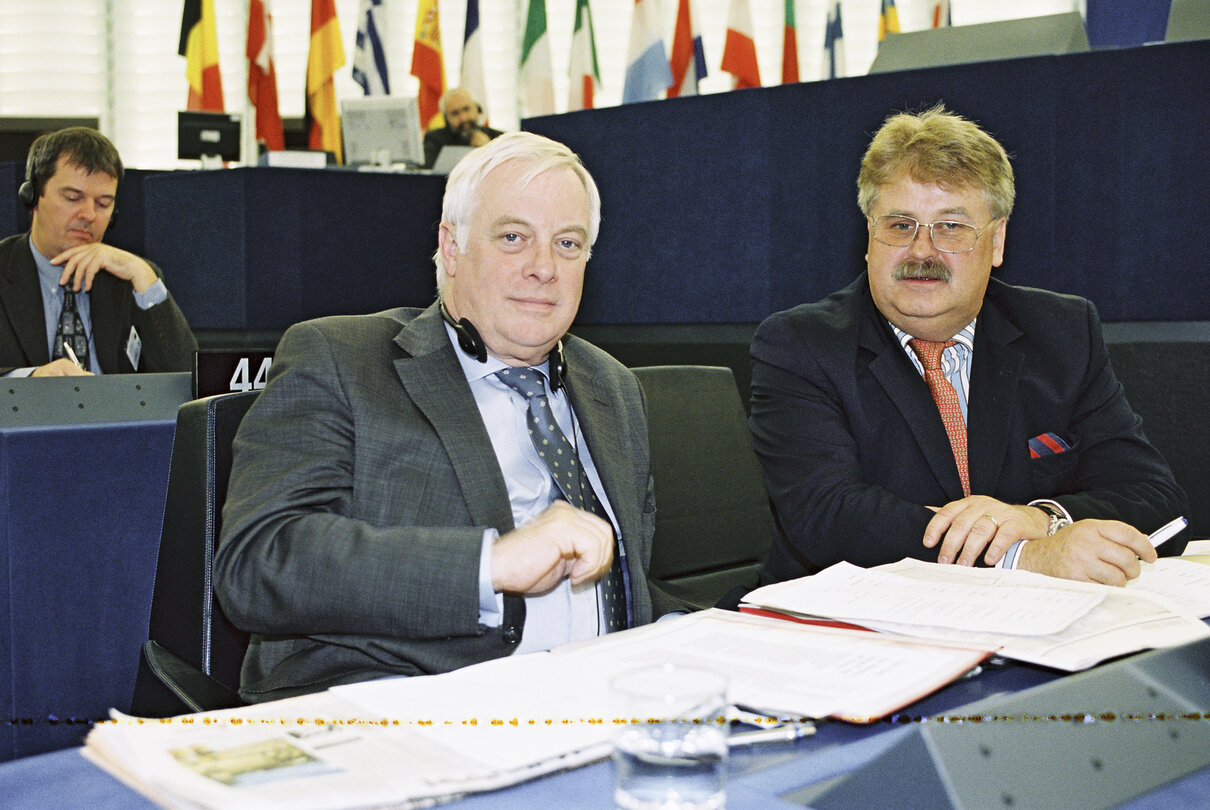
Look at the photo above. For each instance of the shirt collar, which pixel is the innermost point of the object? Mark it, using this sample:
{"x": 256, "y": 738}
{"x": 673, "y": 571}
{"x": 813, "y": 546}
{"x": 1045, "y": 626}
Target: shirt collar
{"x": 965, "y": 338}
{"x": 474, "y": 370}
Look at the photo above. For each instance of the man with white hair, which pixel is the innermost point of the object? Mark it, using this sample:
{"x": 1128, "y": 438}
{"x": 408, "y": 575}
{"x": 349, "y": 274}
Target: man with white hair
{"x": 419, "y": 490}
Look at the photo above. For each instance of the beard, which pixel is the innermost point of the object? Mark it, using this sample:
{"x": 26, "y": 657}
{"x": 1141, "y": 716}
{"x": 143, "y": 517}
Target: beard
{"x": 927, "y": 270}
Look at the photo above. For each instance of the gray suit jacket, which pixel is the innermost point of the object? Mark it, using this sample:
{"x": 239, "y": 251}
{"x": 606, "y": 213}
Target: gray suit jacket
{"x": 168, "y": 343}
{"x": 362, "y": 482}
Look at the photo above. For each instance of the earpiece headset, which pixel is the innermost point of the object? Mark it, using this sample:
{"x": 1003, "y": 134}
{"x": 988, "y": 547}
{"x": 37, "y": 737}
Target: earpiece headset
{"x": 472, "y": 343}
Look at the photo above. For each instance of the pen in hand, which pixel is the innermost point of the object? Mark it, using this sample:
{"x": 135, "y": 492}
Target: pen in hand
{"x": 1166, "y": 532}
{"x": 72, "y": 355}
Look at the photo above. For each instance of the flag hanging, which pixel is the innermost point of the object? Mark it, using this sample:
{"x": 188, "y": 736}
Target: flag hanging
{"x": 199, "y": 46}
{"x": 535, "y": 82}
{"x": 789, "y": 47}
{"x": 941, "y": 14}
{"x": 473, "y": 79}
{"x": 585, "y": 74}
{"x": 888, "y": 20}
{"x": 833, "y": 43}
{"x": 369, "y": 60}
{"x": 262, "y": 76}
{"x": 739, "y": 49}
{"x": 688, "y": 57}
{"x": 324, "y": 58}
{"x": 427, "y": 63}
{"x": 647, "y": 71}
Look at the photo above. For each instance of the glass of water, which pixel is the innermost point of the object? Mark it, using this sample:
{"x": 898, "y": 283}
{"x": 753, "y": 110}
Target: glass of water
{"x": 670, "y": 752}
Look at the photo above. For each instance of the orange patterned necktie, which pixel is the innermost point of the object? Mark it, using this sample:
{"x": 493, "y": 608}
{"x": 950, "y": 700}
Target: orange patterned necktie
{"x": 929, "y": 352}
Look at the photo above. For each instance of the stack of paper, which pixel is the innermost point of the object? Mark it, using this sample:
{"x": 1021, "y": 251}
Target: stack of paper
{"x": 421, "y": 739}
{"x": 1029, "y": 617}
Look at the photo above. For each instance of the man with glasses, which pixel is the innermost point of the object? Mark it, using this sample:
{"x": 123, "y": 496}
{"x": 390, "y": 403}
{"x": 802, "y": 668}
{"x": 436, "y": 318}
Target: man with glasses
{"x": 927, "y": 410}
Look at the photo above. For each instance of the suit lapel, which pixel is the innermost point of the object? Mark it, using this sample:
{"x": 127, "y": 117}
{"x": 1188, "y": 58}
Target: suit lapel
{"x": 21, "y": 296}
{"x": 910, "y": 394}
{"x": 994, "y": 376}
{"x": 436, "y": 385}
{"x": 597, "y": 414}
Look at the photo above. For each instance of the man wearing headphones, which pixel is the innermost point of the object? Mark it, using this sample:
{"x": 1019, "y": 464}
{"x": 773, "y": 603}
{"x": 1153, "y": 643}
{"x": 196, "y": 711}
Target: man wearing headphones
{"x": 70, "y": 304}
{"x": 419, "y": 490}
{"x": 462, "y": 126}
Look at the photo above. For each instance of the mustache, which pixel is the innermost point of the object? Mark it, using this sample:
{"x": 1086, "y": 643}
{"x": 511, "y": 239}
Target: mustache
{"x": 927, "y": 270}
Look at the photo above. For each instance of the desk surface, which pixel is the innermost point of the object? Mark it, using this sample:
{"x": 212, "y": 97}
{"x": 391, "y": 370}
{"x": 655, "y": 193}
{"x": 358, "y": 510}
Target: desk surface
{"x": 759, "y": 778}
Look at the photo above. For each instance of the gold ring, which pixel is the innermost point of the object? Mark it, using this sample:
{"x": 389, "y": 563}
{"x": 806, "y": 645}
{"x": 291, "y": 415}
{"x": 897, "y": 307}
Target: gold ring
{"x": 993, "y": 520}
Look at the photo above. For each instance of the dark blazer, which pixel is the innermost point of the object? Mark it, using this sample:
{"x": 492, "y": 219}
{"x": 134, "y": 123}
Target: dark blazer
{"x": 853, "y": 449}
{"x": 168, "y": 343}
{"x": 362, "y": 483}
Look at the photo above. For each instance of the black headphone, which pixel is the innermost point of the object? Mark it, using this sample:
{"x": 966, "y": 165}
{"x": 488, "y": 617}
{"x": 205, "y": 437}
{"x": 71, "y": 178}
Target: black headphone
{"x": 27, "y": 194}
{"x": 472, "y": 343}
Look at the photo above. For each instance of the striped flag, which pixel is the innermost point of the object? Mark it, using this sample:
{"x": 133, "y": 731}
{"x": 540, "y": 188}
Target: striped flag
{"x": 324, "y": 58}
{"x": 739, "y": 49}
{"x": 535, "y": 83}
{"x": 647, "y": 71}
{"x": 473, "y": 79}
{"x": 199, "y": 46}
{"x": 833, "y": 43}
{"x": 262, "y": 76}
{"x": 888, "y": 20}
{"x": 369, "y": 60}
{"x": 941, "y": 14}
{"x": 789, "y": 47}
{"x": 585, "y": 74}
{"x": 427, "y": 63}
{"x": 688, "y": 57}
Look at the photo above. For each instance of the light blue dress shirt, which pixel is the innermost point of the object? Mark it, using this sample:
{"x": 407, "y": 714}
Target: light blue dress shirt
{"x": 565, "y": 613}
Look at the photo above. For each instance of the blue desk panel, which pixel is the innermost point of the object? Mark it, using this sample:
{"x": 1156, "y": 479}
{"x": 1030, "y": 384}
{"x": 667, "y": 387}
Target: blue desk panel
{"x": 77, "y": 565}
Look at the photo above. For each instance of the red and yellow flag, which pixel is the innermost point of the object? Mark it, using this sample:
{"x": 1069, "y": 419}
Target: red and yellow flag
{"x": 427, "y": 63}
{"x": 325, "y": 57}
{"x": 262, "y": 76}
{"x": 199, "y": 46}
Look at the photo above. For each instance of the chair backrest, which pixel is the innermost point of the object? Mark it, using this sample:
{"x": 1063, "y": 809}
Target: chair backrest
{"x": 713, "y": 521}
{"x": 186, "y": 619}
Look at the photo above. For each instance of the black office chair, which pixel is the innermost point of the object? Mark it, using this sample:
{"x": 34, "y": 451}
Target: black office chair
{"x": 191, "y": 660}
{"x": 713, "y": 523}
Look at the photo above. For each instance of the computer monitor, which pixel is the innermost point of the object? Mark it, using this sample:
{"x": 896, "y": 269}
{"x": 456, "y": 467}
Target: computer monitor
{"x": 381, "y": 131}
{"x": 207, "y": 135}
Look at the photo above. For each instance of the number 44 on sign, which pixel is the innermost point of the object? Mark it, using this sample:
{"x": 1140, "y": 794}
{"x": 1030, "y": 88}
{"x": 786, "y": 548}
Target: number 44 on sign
{"x": 240, "y": 380}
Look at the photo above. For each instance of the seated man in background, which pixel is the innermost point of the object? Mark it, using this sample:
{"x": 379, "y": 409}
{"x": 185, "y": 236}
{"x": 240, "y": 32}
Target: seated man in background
{"x": 463, "y": 127}
{"x": 929, "y": 411}
{"x": 61, "y": 286}
{"x": 419, "y": 490}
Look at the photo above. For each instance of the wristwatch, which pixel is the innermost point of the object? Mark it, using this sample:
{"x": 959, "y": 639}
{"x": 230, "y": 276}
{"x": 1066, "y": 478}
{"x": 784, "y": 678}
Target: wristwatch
{"x": 1059, "y": 517}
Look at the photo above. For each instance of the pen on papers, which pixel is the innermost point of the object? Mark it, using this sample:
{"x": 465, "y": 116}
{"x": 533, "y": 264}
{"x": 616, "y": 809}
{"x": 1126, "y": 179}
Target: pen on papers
{"x": 784, "y": 733}
{"x": 75, "y": 359}
{"x": 1166, "y": 532}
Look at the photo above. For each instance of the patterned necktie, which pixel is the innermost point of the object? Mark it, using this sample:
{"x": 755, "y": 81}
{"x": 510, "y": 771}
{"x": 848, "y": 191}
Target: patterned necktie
{"x": 561, "y": 459}
{"x": 929, "y": 352}
{"x": 70, "y": 331}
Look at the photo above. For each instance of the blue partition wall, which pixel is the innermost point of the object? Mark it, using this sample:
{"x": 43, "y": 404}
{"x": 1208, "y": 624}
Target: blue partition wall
{"x": 262, "y": 248}
{"x": 725, "y": 208}
{"x": 77, "y": 563}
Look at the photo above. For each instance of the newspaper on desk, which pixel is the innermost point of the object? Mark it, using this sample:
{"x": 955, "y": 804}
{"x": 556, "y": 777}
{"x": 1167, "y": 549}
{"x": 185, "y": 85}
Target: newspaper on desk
{"x": 1033, "y": 618}
{"x": 409, "y": 741}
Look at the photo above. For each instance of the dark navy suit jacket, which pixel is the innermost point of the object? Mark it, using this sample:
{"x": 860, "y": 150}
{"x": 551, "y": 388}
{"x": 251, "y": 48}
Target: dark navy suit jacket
{"x": 853, "y": 449}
